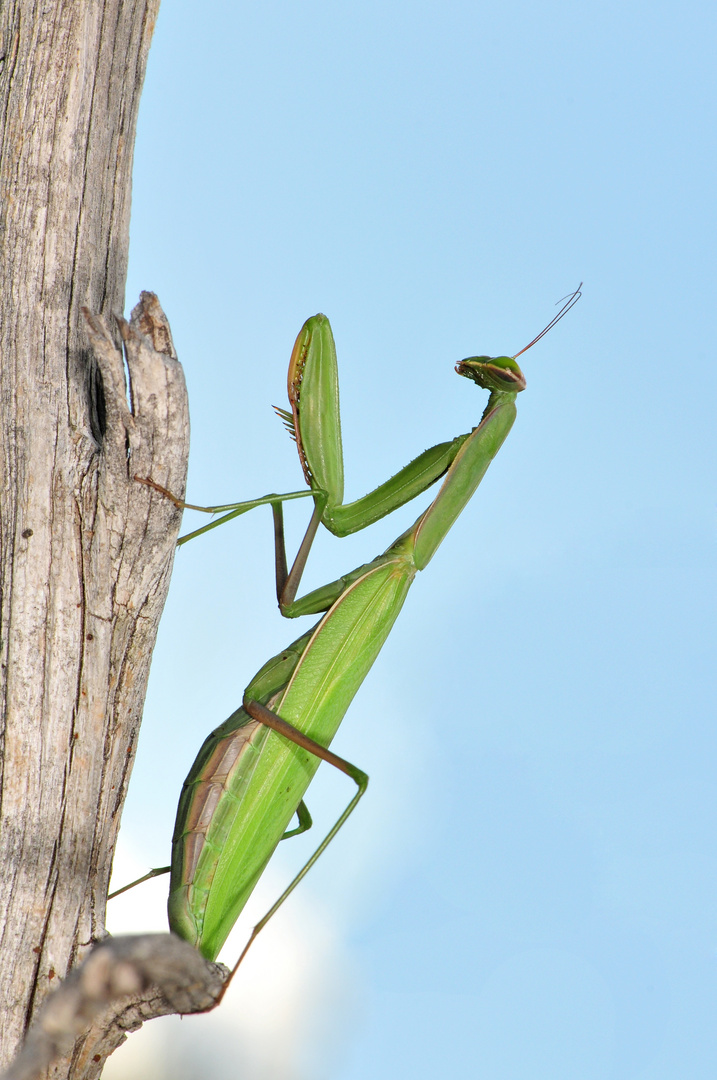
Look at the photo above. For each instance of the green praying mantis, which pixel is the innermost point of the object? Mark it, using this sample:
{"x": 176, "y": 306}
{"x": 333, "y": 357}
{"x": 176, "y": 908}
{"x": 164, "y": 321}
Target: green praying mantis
{"x": 250, "y": 776}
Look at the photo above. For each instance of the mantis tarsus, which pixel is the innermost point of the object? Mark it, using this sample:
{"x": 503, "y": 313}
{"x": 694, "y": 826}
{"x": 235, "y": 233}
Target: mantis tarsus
{"x": 251, "y": 773}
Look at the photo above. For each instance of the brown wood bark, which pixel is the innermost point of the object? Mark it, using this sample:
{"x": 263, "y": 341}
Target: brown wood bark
{"x": 85, "y": 551}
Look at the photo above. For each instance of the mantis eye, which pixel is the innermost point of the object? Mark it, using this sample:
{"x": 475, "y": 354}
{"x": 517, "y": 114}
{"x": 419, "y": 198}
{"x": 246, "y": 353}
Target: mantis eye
{"x": 493, "y": 372}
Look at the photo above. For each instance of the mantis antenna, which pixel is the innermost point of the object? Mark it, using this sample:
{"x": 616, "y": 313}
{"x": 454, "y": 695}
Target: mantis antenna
{"x": 570, "y": 301}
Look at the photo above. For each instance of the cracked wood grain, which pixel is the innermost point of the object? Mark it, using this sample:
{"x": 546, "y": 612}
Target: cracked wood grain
{"x": 85, "y": 551}
{"x": 123, "y": 982}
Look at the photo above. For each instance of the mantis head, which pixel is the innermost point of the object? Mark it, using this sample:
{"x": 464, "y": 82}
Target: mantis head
{"x": 503, "y": 373}
{"x": 493, "y": 373}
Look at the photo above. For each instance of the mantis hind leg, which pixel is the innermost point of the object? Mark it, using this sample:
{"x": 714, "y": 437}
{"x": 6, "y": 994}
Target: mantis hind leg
{"x": 265, "y": 716}
{"x": 157, "y": 872}
{"x": 304, "y": 824}
{"x": 305, "y": 821}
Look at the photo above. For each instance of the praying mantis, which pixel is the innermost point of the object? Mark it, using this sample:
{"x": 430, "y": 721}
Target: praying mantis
{"x": 250, "y": 776}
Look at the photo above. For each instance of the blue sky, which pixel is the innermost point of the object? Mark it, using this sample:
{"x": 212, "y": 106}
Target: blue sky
{"x": 529, "y": 890}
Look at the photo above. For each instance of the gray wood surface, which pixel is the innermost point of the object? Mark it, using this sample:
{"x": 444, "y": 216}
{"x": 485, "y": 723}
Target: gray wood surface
{"x": 85, "y": 551}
